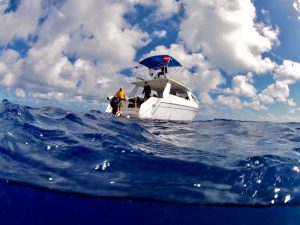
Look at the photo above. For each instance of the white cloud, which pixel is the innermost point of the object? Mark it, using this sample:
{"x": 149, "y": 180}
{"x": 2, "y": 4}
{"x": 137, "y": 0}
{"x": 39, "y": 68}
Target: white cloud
{"x": 20, "y": 23}
{"x": 5, "y": 75}
{"x": 229, "y": 101}
{"x": 296, "y": 5}
{"x": 255, "y": 105}
{"x": 213, "y": 35}
{"x": 234, "y": 102}
{"x": 264, "y": 98}
{"x": 289, "y": 115}
{"x": 291, "y": 102}
{"x": 59, "y": 96}
{"x": 78, "y": 99}
{"x": 167, "y": 8}
{"x": 102, "y": 44}
{"x": 164, "y": 9}
{"x": 4, "y": 4}
{"x": 227, "y": 34}
{"x": 10, "y": 67}
{"x": 159, "y": 34}
{"x": 279, "y": 91}
{"x": 46, "y": 65}
{"x": 20, "y": 93}
{"x": 205, "y": 99}
{"x": 49, "y": 71}
{"x": 288, "y": 72}
{"x": 242, "y": 86}
{"x": 105, "y": 37}
{"x": 266, "y": 15}
{"x": 203, "y": 79}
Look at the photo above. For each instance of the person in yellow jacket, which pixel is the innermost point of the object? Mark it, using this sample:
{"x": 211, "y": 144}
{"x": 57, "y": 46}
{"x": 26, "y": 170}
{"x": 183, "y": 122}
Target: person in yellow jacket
{"x": 121, "y": 96}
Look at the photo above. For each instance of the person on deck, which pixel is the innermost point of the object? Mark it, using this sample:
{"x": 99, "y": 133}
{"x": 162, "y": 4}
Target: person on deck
{"x": 120, "y": 94}
{"x": 114, "y": 102}
{"x": 163, "y": 70}
{"x": 146, "y": 91}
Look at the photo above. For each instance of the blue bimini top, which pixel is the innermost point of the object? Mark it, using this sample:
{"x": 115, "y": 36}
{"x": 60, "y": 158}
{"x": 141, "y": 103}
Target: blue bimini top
{"x": 157, "y": 61}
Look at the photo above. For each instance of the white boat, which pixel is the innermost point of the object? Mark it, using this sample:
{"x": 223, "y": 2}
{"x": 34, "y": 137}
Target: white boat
{"x": 170, "y": 100}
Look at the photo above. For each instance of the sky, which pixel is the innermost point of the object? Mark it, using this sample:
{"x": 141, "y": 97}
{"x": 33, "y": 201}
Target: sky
{"x": 241, "y": 57}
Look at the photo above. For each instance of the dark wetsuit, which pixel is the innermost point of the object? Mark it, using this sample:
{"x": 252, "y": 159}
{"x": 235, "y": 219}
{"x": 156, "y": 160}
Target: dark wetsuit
{"x": 163, "y": 71}
{"x": 114, "y": 102}
{"x": 147, "y": 91}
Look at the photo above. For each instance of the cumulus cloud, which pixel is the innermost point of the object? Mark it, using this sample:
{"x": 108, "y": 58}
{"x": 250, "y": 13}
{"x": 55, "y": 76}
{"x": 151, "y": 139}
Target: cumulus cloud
{"x": 21, "y": 23}
{"x": 229, "y": 101}
{"x": 164, "y": 9}
{"x": 235, "y": 102}
{"x": 227, "y": 34}
{"x": 242, "y": 86}
{"x": 159, "y": 34}
{"x": 59, "y": 96}
{"x": 279, "y": 91}
{"x": 100, "y": 45}
{"x": 10, "y": 67}
{"x": 288, "y": 72}
{"x": 79, "y": 48}
{"x": 168, "y": 8}
{"x": 20, "y": 93}
{"x": 114, "y": 41}
{"x": 255, "y": 104}
{"x": 204, "y": 77}
{"x": 266, "y": 15}
{"x": 205, "y": 99}
{"x": 296, "y": 5}
{"x": 284, "y": 75}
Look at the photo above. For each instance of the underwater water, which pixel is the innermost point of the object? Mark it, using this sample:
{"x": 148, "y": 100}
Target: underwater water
{"x": 50, "y": 157}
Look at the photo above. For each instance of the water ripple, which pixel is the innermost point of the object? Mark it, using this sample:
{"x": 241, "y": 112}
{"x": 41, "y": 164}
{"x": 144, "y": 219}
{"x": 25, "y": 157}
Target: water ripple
{"x": 206, "y": 162}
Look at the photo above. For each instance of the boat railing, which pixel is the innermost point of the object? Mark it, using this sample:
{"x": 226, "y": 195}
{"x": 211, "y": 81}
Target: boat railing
{"x": 176, "y": 74}
{"x": 132, "y": 105}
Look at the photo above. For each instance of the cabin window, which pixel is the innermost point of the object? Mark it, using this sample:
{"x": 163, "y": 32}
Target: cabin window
{"x": 159, "y": 94}
{"x": 179, "y": 93}
{"x": 194, "y": 98}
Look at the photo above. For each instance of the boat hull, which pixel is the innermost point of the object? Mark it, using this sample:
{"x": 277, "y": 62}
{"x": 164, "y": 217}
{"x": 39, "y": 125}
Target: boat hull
{"x": 166, "y": 113}
{"x": 159, "y": 109}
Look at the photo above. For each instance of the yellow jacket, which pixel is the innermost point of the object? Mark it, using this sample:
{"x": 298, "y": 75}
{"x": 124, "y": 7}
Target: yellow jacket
{"x": 121, "y": 94}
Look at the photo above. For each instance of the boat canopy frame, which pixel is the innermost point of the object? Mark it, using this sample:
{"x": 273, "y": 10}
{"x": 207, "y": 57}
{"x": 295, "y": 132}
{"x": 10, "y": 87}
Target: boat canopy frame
{"x": 158, "y": 61}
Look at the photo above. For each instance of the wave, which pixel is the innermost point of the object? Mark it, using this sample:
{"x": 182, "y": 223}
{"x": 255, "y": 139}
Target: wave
{"x": 199, "y": 162}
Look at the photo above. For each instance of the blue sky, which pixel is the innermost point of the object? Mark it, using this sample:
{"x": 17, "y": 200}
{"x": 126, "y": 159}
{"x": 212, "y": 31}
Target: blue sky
{"x": 241, "y": 57}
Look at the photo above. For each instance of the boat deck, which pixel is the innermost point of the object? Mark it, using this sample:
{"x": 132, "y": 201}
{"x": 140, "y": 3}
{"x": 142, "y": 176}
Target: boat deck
{"x": 133, "y": 110}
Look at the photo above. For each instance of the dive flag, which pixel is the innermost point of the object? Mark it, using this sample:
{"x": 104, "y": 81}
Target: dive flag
{"x": 166, "y": 58}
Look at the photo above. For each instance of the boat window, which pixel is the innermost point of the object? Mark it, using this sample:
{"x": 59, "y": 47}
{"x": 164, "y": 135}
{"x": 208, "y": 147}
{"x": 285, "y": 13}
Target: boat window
{"x": 159, "y": 94}
{"x": 179, "y": 93}
{"x": 194, "y": 98}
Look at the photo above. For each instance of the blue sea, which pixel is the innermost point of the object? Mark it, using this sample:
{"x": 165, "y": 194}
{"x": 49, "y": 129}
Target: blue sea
{"x": 64, "y": 167}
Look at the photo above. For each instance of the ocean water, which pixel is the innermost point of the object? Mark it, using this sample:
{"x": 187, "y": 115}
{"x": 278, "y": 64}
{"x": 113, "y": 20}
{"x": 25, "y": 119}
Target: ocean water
{"x": 81, "y": 167}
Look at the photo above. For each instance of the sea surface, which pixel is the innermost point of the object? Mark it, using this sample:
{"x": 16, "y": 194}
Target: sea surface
{"x": 66, "y": 166}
